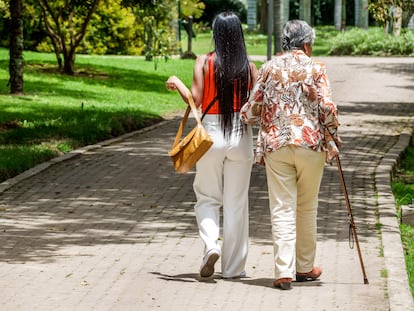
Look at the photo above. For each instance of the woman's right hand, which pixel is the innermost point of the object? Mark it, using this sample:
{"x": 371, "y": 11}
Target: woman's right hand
{"x": 175, "y": 84}
{"x": 171, "y": 83}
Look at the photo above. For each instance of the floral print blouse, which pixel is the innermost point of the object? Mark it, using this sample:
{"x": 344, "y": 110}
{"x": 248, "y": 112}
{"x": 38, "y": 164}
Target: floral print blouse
{"x": 292, "y": 103}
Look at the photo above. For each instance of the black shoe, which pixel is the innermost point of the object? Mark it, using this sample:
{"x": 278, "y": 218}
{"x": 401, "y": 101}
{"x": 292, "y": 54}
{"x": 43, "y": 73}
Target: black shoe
{"x": 309, "y": 276}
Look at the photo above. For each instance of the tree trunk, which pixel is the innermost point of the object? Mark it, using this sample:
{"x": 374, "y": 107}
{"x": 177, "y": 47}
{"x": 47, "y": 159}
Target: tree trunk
{"x": 364, "y": 14}
{"x": 263, "y": 16}
{"x": 251, "y": 14}
{"x": 281, "y": 16}
{"x": 338, "y": 14}
{"x": 69, "y": 62}
{"x": 397, "y": 21}
{"x": 305, "y": 11}
{"x": 285, "y": 11}
{"x": 343, "y": 16}
{"x": 357, "y": 11}
{"x": 148, "y": 40}
{"x": 66, "y": 38}
{"x": 16, "y": 47}
{"x": 361, "y": 18}
{"x": 277, "y": 25}
{"x": 270, "y": 27}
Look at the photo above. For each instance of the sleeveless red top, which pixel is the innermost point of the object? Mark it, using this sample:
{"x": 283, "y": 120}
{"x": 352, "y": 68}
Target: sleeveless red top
{"x": 210, "y": 89}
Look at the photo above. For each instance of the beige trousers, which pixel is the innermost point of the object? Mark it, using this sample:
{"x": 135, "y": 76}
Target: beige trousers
{"x": 293, "y": 175}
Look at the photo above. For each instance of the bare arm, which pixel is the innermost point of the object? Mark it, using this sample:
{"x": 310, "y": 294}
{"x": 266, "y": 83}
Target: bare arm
{"x": 254, "y": 71}
{"x": 175, "y": 84}
{"x": 197, "y": 87}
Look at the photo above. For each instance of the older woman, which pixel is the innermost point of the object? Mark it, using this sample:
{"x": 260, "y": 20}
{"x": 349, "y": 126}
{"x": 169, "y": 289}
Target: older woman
{"x": 298, "y": 131}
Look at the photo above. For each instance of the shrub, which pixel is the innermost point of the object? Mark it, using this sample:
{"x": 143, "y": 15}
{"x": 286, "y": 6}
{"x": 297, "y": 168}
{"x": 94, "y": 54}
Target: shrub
{"x": 372, "y": 42}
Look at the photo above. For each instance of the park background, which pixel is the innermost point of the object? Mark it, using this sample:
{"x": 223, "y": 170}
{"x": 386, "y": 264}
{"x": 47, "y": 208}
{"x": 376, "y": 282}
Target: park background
{"x": 74, "y": 73}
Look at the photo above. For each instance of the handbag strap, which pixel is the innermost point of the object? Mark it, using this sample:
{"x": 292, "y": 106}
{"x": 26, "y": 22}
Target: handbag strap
{"x": 208, "y": 107}
{"x": 191, "y": 107}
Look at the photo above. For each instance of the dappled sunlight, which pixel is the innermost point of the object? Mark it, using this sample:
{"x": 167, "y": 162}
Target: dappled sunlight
{"x": 132, "y": 195}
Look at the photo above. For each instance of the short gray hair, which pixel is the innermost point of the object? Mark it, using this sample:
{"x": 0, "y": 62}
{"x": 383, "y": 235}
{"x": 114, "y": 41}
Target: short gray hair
{"x": 296, "y": 33}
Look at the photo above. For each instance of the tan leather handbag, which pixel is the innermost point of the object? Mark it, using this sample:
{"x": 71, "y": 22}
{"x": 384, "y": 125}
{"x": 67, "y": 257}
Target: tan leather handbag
{"x": 186, "y": 152}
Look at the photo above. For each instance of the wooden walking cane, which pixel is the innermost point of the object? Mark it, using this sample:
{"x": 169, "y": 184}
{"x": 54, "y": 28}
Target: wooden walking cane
{"x": 351, "y": 218}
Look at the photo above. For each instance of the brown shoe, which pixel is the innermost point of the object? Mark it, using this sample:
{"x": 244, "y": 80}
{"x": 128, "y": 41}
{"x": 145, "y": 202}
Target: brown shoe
{"x": 309, "y": 276}
{"x": 283, "y": 283}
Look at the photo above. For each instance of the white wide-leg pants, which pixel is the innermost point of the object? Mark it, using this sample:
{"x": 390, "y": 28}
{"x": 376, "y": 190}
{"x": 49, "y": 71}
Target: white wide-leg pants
{"x": 293, "y": 175}
{"x": 222, "y": 180}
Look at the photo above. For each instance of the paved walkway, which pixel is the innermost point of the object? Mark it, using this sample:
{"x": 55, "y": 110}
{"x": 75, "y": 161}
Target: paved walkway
{"x": 111, "y": 226}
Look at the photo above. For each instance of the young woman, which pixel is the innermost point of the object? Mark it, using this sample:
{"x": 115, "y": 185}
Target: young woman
{"x": 221, "y": 84}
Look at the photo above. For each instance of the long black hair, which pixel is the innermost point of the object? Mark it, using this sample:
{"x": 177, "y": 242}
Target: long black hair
{"x": 231, "y": 66}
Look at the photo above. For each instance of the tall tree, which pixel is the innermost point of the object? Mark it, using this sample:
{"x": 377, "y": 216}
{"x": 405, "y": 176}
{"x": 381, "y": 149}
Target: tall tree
{"x": 263, "y": 16}
{"x": 16, "y": 47}
{"x": 281, "y": 16}
{"x": 305, "y": 11}
{"x": 361, "y": 13}
{"x": 357, "y": 9}
{"x": 338, "y": 14}
{"x": 285, "y": 11}
{"x": 66, "y": 22}
{"x": 251, "y": 14}
{"x": 158, "y": 35}
{"x": 277, "y": 25}
{"x": 389, "y": 13}
{"x": 4, "y": 8}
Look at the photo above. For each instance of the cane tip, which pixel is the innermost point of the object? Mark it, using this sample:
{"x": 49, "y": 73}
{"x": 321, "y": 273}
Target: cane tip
{"x": 366, "y": 281}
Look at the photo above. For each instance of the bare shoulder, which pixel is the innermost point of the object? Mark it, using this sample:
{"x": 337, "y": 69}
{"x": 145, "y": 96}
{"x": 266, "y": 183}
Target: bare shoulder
{"x": 199, "y": 65}
{"x": 200, "y": 60}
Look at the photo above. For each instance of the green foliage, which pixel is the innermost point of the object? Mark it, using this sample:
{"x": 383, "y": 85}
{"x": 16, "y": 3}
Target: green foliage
{"x": 380, "y": 9}
{"x": 16, "y": 159}
{"x": 407, "y": 166}
{"x": 372, "y": 42}
{"x": 133, "y": 28}
{"x": 216, "y": 6}
{"x": 158, "y": 37}
{"x": 4, "y": 9}
{"x": 194, "y": 8}
{"x": 404, "y": 193}
{"x": 65, "y": 23}
{"x": 142, "y": 3}
{"x": 154, "y": 28}
{"x": 403, "y": 183}
{"x": 33, "y": 32}
{"x": 323, "y": 40}
{"x": 403, "y": 190}
{"x": 407, "y": 237}
{"x": 112, "y": 30}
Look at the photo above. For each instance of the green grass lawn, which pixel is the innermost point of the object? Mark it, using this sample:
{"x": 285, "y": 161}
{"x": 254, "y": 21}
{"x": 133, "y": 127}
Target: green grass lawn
{"x": 108, "y": 96}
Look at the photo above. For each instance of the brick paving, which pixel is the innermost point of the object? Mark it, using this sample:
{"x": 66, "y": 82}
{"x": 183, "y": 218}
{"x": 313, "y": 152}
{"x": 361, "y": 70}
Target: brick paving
{"x": 112, "y": 227}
